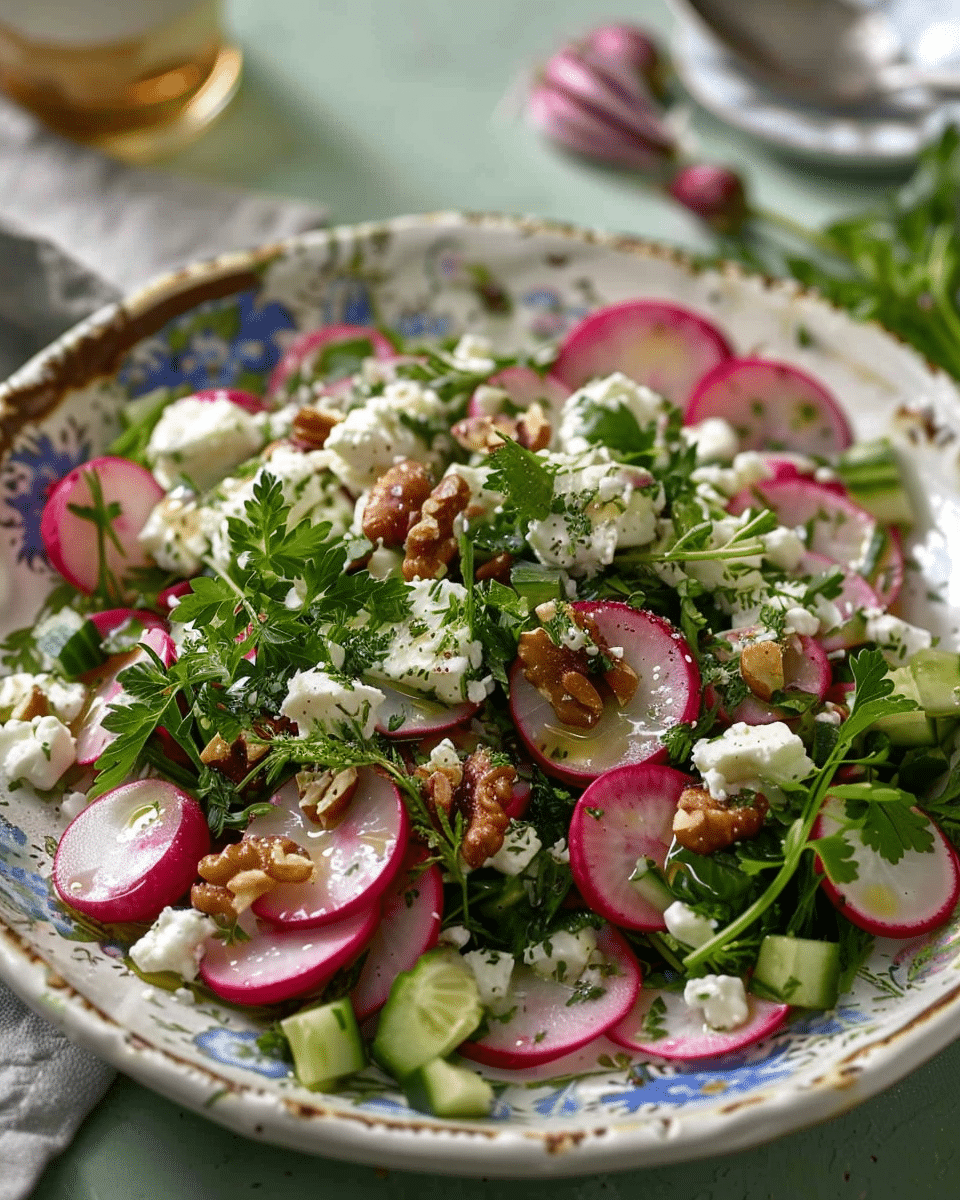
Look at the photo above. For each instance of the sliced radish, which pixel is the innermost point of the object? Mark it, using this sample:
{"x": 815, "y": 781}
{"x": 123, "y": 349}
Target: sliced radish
{"x": 168, "y": 598}
{"x": 92, "y": 738}
{"x": 523, "y": 386}
{"x": 550, "y": 1019}
{"x": 403, "y": 715}
{"x": 624, "y": 816}
{"x": 71, "y": 541}
{"x": 276, "y": 964}
{"x": 771, "y": 405}
{"x": 662, "y": 345}
{"x": 245, "y": 400}
{"x": 301, "y": 357}
{"x": 112, "y": 619}
{"x": 901, "y": 899}
{"x": 409, "y": 926}
{"x": 806, "y": 668}
{"x": 131, "y": 852}
{"x": 838, "y": 528}
{"x": 355, "y": 860}
{"x": 519, "y": 800}
{"x": 855, "y": 594}
{"x": 685, "y": 1037}
{"x": 669, "y": 692}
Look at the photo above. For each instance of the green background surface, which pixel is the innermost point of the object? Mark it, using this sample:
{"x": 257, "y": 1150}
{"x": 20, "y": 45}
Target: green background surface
{"x": 377, "y": 107}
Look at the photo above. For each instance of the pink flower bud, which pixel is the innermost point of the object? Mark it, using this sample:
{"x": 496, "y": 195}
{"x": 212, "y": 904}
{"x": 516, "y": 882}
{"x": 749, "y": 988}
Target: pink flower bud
{"x": 633, "y": 48}
{"x": 715, "y": 194}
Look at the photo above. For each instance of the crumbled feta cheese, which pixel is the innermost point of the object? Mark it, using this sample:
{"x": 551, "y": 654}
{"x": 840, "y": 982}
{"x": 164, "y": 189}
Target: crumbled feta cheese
{"x": 751, "y": 757}
{"x": 802, "y": 621}
{"x": 559, "y": 851}
{"x": 492, "y": 971}
{"x": 747, "y": 468}
{"x": 36, "y": 752}
{"x": 488, "y": 401}
{"x": 473, "y": 354}
{"x": 174, "y": 942}
{"x": 829, "y": 716}
{"x": 687, "y": 926}
{"x": 444, "y": 757}
{"x": 899, "y": 640}
{"x": 201, "y": 441}
{"x": 184, "y": 996}
{"x": 431, "y": 649}
{"x": 384, "y": 563}
{"x": 454, "y": 935}
{"x": 716, "y": 440}
{"x": 562, "y": 956}
{"x": 585, "y": 408}
{"x": 722, "y": 998}
{"x": 72, "y": 804}
{"x": 317, "y": 699}
{"x": 66, "y": 700}
{"x": 784, "y": 547}
{"x": 520, "y": 846}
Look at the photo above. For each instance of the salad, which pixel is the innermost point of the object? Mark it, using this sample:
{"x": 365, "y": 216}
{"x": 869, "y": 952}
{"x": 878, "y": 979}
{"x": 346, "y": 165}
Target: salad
{"x": 442, "y": 701}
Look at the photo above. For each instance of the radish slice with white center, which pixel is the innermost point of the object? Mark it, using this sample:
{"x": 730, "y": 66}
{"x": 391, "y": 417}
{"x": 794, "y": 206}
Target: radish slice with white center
{"x": 354, "y": 861}
{"x": 901, "y": 899}
{"x": 668, "y": 693}
{"x": 276, "y": 964}
{"x": 550, "y": 1019}
{"x": 855, "y": 594}
{"x": 113, "y": 619}
{"x": 71, "y": 541}
{"x": 806, "y": 668}
{"x": 524, "y": 386}
{"x": 131, "y": 852}
{"x": 682, "y": 1035}
{"x": 403, "y": 715}
{"x": 409, "y": 926}
{"x": 315, "y": 354}
{"x": 92, "y": 738}
{"x": 624, "y": 816}
{"x": 245, "y": 400}
{"x": 839, "y": 529}
{"x": 771, "y": 405}
{"x": 662, "y": 345}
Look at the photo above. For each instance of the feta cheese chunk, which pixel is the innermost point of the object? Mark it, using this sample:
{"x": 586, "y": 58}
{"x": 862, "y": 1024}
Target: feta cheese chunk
{"x": 37, "y": 752}
{"x": 174, "y": 942}
{"x": 201, "y": 441}
{"x": 899, "y": 640}
{"x": 492, "y": 971}
{"x": 586, "y": 408}
{"x": 520, "y": 846}
{"x": 316, "y": 698}
{"x": 563, "y": 956}
{"x": 716, "y": 440}
{"x": 751, "y": 757}
{"x": 687, "y": 926}
{"x": 65, "y": 700}
{"x": 722, "y": 998}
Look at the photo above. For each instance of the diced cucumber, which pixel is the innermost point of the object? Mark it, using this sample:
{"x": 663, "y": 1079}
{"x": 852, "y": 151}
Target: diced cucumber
{"x": 448, "y": 1090}
{"x": 537, "y": 583}
{"x": 431, "y": 1009}
{"x": 872, "y": 474}
{"x": 82, "y": 651}
{"x": 647, "y": 880}
{"x": 325, "y": 1042}
{"x": 909, "y": 728}
{"x": 798, "y": 971}
{"x": 936, "y": 674}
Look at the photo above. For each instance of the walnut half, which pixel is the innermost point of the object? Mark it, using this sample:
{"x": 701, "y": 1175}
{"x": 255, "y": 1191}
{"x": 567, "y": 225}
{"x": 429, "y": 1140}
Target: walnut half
{"x": 704, "y": 824}
{"x": 246, "y": 870}
{"x": 480, "y": 790}
{"x": 431, "y": 544}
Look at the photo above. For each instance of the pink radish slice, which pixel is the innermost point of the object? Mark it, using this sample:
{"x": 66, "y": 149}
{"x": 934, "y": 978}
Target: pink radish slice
{"x": 662, "y": 345}
{"x": 409, "y": 926}
{"x": 167, "y": 599}
{"x": 855, "y": 595}
{"x": 625, "y": 815}
{"x": 524, "y": 387}
{"x": 548, "y": 1021}
{"x": 300, "y": 357}
{"x": 92, "y": 738}
{"x": 669, "y": 692}
{"x": 112, "y": 619}
{"x": 71, "y": 541}
{"x": 276, "y": 964}
{"x": 355, "y": 860}
{"x": 806, "y": 668}
{"x": 771, "y": 405}
{"x": 519, "y": 800}
{"x": 403, "y": 715}
{"x": 245, "y": 400}
{"x": 901, "y": 899}
{"x": 131, "y": 852}
{"x": 687, "y": 1038}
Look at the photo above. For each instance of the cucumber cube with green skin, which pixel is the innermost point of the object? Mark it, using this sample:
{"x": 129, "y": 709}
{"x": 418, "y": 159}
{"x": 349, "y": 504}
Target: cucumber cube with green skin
{"x": 872, "y": 475}
{"x": 936, "y": 677}
{"x": 448, "y": 1090}
{"x": 799, "y": 971}
{"x": 325, "y": 1043}
{"x": 908, "y": 728}
{"x": 431, "y": 1009}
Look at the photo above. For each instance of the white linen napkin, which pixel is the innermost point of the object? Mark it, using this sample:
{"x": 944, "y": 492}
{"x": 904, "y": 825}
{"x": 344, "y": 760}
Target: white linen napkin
{"x": 76, "y": 231}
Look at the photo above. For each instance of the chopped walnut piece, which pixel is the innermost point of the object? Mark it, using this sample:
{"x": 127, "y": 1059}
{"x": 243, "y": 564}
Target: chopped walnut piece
{"x": 234, "y": 759}
{"x": 704, "y": 824}
{"x": 430, "y": 544}
{"x": 486, "y": 790}
{"x": 395, "y": 501}
{"x": 533, "y": 428}
{"x": 497, "y": 568}
{"x": 530, "y": 429}
{"x": 246, "y": 870}
{"x": 35, "y": 704}
{"x": 311, "y": 426}
{"x": 761, "y": 667}
{"x": 325, "y": 795}
{"x": 551, "y": 669}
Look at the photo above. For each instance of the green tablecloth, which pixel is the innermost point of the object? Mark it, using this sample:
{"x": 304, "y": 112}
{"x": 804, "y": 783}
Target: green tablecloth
{"x": 376, "y": 108}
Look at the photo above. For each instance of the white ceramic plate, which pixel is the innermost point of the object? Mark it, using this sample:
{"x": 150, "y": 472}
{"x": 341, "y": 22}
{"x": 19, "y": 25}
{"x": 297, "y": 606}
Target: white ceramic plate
{"x": 524, "y": 282}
